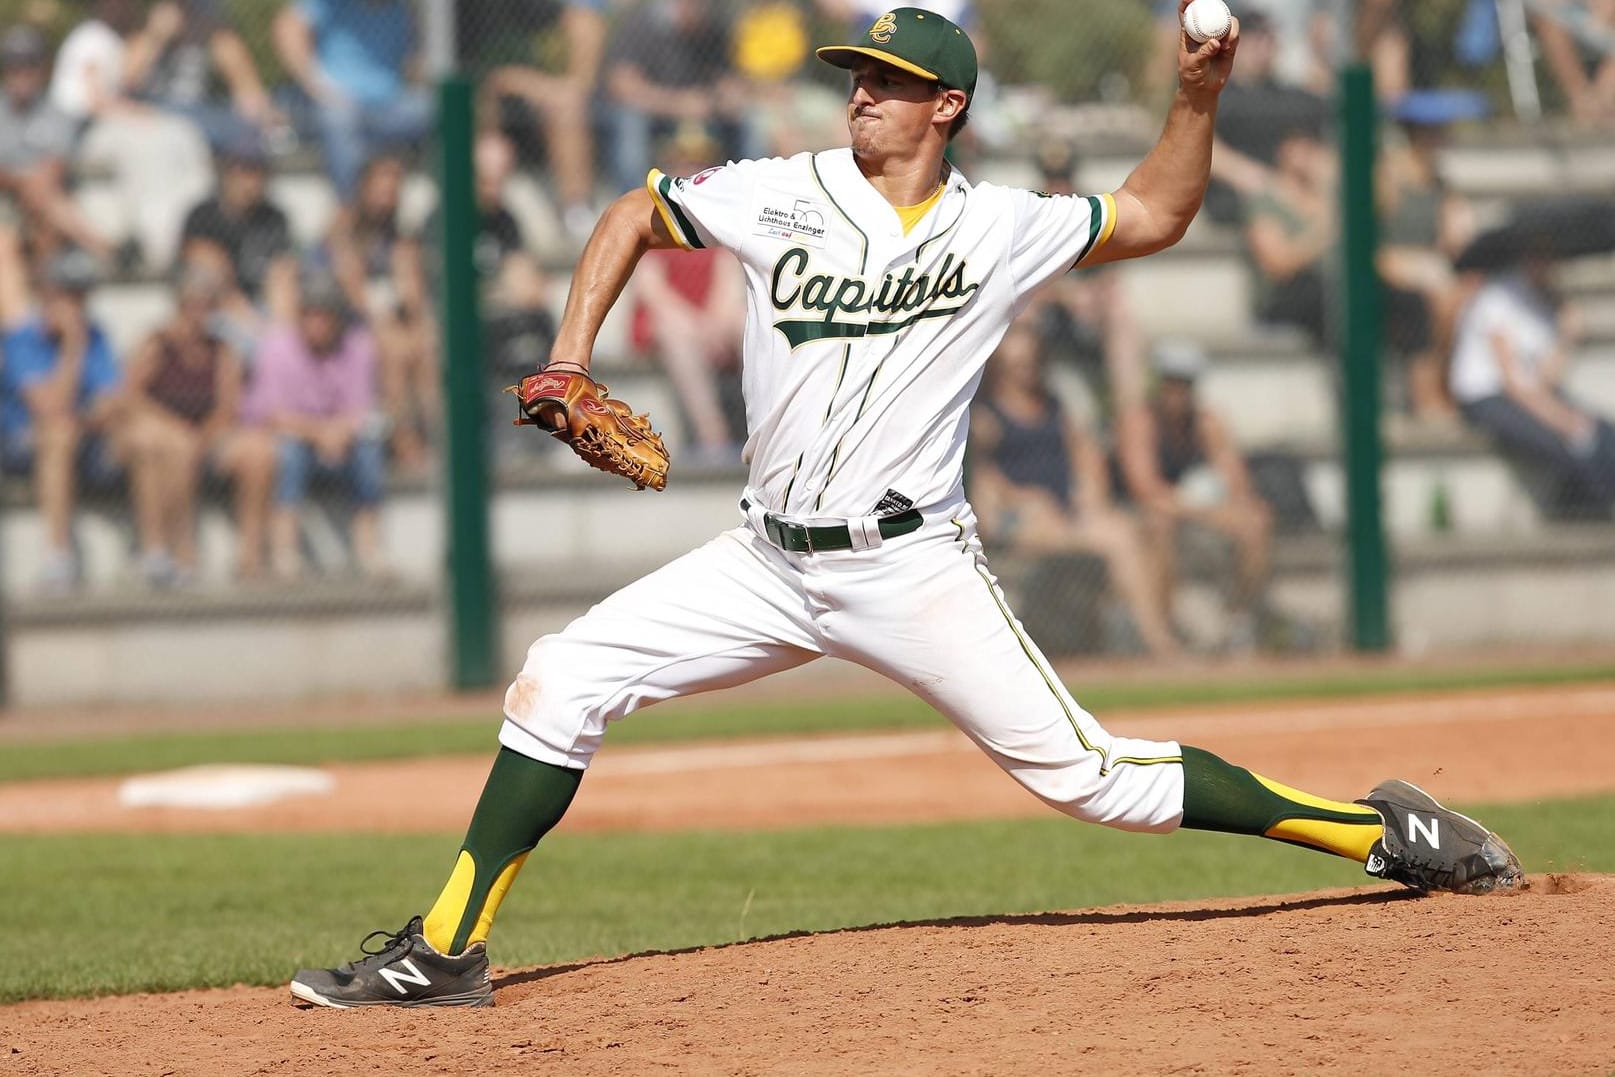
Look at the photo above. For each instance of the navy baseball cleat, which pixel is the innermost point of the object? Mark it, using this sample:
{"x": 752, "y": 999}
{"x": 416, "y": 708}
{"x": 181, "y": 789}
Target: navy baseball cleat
{"x": 1429, "y": 847}
{"x": 405, "y": 971}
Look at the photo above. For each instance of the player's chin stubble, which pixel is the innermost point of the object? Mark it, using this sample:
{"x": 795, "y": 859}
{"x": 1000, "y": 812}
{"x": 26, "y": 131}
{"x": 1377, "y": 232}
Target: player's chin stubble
{"x": 864, "y": 141}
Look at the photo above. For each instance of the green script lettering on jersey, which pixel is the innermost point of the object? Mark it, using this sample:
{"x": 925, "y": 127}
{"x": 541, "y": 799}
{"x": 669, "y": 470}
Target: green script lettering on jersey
{"x": 794, "y": 287}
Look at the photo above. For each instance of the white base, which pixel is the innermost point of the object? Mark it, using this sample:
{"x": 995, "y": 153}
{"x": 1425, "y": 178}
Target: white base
{"x": 221, "y": 786}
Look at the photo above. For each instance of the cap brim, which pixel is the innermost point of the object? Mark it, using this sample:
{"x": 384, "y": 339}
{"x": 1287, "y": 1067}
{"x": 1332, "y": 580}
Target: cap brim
{"x": 842, "y": 56}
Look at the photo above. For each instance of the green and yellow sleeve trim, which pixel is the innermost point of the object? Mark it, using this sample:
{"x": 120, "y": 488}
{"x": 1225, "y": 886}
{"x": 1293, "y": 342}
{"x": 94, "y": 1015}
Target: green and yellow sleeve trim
{"x": 660, "y": 186}
{"x": 1101, "y": 223}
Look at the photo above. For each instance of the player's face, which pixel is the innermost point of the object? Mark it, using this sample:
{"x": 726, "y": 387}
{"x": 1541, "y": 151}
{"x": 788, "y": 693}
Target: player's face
{"x": 889, "y": 109}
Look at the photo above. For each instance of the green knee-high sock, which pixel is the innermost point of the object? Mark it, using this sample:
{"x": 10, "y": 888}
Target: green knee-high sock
{"x": 522, "y": 800}
{"x": 1220, "y": 796}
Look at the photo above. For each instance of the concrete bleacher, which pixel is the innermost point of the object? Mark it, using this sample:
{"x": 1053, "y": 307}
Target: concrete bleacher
{"x": 1486, "y": 568}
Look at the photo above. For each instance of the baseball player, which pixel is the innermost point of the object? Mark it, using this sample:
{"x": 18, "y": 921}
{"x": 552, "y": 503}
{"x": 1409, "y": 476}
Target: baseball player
{"x": 879, "y": 279}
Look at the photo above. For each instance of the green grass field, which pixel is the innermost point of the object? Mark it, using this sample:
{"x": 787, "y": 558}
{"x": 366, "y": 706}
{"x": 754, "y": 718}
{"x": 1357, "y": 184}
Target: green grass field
{"x": 119, "y": 913}
{"x": 125, "y": 754}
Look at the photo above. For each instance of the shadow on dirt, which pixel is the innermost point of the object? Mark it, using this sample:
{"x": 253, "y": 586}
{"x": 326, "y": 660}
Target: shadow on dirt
{"x": 1093, "y": 918}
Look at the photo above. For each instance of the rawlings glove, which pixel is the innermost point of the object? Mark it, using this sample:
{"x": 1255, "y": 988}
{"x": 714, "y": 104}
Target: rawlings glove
{"x": 604, "y": 432}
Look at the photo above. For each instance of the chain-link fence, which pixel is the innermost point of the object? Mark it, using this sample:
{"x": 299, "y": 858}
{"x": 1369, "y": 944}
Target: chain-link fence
{"x": 221, "y": 280}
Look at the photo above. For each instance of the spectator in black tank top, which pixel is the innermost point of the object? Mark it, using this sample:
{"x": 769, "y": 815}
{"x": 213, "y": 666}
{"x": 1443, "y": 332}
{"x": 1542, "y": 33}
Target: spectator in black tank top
{"x": 184, "y": 389}
{"x": 1039, "y": 486}
{"x": 1181, "y": 467}
{"x": 242, "y": 235}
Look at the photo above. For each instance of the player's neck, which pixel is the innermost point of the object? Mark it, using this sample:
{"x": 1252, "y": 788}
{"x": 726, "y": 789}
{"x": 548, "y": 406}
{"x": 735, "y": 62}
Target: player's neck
{"x": 904, "y": 181}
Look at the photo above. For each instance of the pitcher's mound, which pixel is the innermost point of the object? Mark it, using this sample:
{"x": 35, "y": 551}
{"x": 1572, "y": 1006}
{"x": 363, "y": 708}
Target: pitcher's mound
{"x": 1349, "y": 981}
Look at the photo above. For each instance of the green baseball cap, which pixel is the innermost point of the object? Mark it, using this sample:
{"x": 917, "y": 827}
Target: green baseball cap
{"x": 920, "y": 42}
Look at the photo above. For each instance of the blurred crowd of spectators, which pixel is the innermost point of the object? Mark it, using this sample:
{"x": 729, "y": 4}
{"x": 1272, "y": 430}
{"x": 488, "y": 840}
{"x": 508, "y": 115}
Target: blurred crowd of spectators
{"x": 1275, "y": 177}
{"x": 143, "y": 142}
{"x": 1115, "y": 456}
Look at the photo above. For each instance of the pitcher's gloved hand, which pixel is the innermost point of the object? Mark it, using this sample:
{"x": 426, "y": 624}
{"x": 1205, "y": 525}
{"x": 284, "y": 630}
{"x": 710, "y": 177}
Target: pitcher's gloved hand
{"x": 604, "y": 432}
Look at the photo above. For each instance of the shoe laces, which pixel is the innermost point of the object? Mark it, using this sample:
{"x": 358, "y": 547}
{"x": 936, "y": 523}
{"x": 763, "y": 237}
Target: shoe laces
{"x": 392, "y": 942}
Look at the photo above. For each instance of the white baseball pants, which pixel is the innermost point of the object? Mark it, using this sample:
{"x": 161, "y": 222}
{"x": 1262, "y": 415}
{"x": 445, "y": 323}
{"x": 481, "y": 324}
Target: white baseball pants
{"x": 921, "y": 609}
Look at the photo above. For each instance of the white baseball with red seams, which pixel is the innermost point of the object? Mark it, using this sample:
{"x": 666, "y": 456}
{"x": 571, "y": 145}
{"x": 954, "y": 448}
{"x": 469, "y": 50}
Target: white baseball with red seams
{"x": 863, "y": 347}
{"x": 1205, "y": 20}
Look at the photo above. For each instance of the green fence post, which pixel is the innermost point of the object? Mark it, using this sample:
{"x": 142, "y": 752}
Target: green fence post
{"x": 1359, "y": 361}
{"x": 473, "y": 606}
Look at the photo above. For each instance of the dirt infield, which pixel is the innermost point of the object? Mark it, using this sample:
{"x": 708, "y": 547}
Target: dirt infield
{"x": 1459, "y": 746}
{"x": 1339, "y": 982}
{"x": 1352, "y": 981}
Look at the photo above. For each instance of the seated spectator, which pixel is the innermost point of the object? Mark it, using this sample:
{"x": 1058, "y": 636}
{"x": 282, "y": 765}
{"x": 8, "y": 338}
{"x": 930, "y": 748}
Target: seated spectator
{"x": 1584, "y": 73}
{"x": 518, "y": 327}
{"x": 366, "y": 251}
{"x": 352, "y": 58}
{"x": 158, "y": 162}
{"x": 669, "y": 64}
{"x": 1291, "y": 223}
{"x": 1183, "y": 470}
{"x": 313, "y": 388}
{"x": 500, "y": 42}
{"x": 1039, "y": 483}
{"x": 238, "y": 231}
{"x": 1256, "y": 113}
{"x": 35, "y": 140}
{"x": 1086, "y": 320}
{"x": 182, "y": 416}
{"x": 689, "y": 314}
{"x": 58, "y": 389}
{"x": 1423, "y": 226}
{"x": 1508, "y": 367}
{"x": 186, "y": 59}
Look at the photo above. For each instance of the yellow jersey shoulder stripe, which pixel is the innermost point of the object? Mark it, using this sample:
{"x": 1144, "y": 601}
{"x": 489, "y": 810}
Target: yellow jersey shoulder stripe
{"x": 660, "y": 185}
{"x": 1110, "y": 220}
{"x": 1104, "y": 206}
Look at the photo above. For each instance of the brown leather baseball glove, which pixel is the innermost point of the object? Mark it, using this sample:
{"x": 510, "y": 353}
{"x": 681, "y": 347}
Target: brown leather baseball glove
{"x": 604, "y": 432}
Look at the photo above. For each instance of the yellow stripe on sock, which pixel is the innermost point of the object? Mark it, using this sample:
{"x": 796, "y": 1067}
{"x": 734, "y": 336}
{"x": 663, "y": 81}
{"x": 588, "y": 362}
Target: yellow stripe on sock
{"x": 449, "y": 909}
{"x": 1296, "y": 796}
{"x": 1350, "y": 840}
{"x": 496, "y": 894}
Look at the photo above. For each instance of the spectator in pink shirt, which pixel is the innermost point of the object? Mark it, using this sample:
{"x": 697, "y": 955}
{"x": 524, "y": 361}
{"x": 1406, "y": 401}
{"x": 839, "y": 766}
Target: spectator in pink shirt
{"x": 314, "y": 387}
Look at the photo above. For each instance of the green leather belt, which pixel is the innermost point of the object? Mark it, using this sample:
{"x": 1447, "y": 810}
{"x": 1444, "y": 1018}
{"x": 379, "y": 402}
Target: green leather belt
{"x": 800, "y": 538}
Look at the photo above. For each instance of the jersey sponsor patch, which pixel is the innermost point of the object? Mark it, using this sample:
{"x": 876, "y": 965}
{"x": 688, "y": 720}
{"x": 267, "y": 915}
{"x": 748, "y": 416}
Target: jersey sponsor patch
{"x": 795, "y": 220}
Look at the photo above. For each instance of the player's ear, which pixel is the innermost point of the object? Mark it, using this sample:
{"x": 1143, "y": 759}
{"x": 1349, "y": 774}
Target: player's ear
{"x": 949, "y": 104}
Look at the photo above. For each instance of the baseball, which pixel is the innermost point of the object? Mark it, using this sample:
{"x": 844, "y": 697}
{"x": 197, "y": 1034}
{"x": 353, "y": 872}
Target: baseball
{"x": 1206, "y": 19}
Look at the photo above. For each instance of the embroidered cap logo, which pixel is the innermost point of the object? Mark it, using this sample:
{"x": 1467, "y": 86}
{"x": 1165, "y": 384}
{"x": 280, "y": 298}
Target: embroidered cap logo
{"x": 884, "y": 27}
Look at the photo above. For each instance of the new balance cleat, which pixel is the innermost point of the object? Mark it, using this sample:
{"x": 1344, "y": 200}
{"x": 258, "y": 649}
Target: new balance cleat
{"x": 1428, "y": 847}
{"x": 404, "y": 971}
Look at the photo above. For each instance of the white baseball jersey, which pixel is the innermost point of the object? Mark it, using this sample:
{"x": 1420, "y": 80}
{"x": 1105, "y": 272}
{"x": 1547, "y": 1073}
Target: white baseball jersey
{"x": 863, "y": 345}
{"x": 863, "y": 349}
